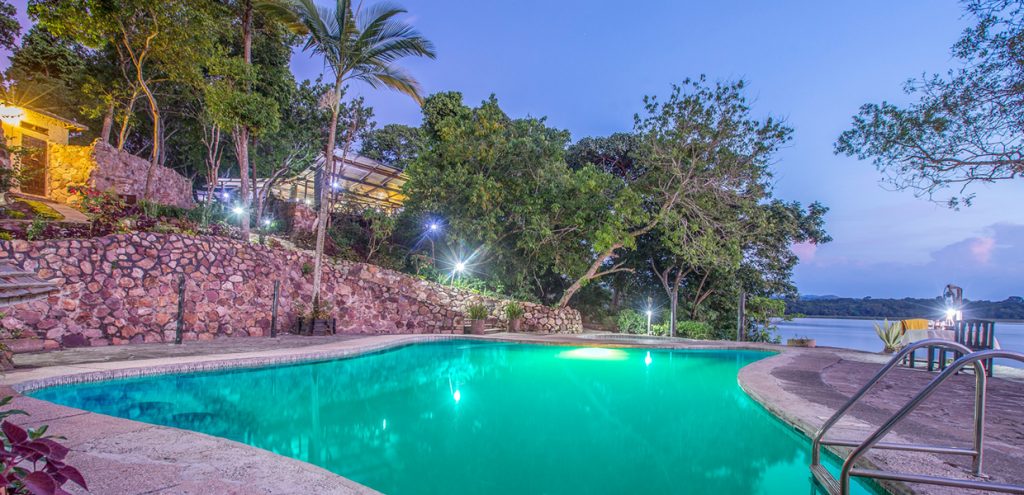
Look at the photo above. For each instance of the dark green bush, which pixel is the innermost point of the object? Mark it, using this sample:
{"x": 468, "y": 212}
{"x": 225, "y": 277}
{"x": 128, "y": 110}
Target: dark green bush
{"x": 631, "y": 321}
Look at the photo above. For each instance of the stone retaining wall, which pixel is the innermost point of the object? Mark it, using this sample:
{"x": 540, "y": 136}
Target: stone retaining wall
{"x": 105, "y": 168}
{"x": 123, "y": 288}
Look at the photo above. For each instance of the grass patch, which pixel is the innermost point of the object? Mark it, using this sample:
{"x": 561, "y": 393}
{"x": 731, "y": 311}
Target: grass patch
{"x": 42, "y": 210}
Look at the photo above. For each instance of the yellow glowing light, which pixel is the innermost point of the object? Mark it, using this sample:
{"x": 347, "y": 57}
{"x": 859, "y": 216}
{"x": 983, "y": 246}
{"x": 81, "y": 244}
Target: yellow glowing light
{"x": 595, "y": 353}
{"x": 11, "y": 115}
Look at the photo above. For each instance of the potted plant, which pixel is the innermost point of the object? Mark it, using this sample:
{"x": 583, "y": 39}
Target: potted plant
{"x": 801, "y": 341}
{"x": 890, "y": 335}
{"x": 514, "y": 312}
{"x": 317, "y": 321}
{"x": 477, "y": 315}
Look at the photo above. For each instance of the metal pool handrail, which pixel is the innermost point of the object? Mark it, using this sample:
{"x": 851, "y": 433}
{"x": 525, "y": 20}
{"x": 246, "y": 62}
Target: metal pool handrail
{"x": 820, "y": 435}
{"x": 975, "y": 359}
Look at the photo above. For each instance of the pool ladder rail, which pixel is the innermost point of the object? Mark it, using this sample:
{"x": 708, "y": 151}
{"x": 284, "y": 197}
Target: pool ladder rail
{"x": 841, "y": 486}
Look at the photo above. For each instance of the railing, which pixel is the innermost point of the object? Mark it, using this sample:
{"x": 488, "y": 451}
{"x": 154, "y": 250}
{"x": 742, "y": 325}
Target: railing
{"x": 842, "y": 486}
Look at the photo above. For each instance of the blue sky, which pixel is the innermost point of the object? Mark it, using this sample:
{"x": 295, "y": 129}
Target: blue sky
{"x": 586, "y": 65}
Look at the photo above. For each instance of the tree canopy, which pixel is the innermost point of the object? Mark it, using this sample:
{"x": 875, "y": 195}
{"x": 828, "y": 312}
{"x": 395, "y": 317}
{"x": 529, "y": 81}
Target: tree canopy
{"x": 965, "y": 126}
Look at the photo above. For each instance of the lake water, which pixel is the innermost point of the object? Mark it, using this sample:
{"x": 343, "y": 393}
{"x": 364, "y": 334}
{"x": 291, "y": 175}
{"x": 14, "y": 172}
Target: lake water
{"x": 860, "y": 334}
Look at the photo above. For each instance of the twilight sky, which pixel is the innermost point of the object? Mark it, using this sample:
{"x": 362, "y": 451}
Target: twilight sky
{"x": 586, "y": 64}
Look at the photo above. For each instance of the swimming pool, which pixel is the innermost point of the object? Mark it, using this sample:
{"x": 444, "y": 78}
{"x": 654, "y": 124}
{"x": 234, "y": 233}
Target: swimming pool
{"x": 467, "y": 417}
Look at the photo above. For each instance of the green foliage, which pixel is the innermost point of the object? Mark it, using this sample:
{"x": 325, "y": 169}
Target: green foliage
{"x": 630, "y": 321}
{"x": 231, "y": 103}
{"x": 9, "y": 26}
{"x": 502, "y": 184}
{"x": 6, "y": 236}
{"x": 477, "y": 312}
{"x": 694, "y": 330}
{"x": 890, "y": 334}
{"x": 394, "y": 144}
{"x": 307, "y": 268}
{"x": 42, "y": 210}
{"x": 514, "y": 311}
{"x": 761, "y": 313}
{"x": 35, "y": 229}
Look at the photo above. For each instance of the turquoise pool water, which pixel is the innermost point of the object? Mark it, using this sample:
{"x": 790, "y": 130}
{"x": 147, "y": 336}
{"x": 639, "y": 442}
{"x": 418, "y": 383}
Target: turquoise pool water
{"x": 463, "y": 417}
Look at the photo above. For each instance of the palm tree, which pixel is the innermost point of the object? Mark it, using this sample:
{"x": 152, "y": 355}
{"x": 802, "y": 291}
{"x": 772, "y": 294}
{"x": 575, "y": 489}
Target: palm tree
{"x": 356, "y": 45}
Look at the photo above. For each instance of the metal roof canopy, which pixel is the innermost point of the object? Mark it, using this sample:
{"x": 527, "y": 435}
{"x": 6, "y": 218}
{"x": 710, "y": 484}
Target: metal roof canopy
{"x": 361, "y": 180}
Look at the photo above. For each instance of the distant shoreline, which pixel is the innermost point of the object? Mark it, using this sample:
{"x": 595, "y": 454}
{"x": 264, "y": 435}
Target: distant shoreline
{"x": 893, "y": 318}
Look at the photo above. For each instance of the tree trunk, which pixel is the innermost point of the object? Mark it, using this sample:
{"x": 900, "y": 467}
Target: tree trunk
{"x": 241, "y": 133}
{"x": 241, "y": 137}
{"x": 589, "y": 275}
{"x": 108, "y": 123}
{"x": 328, "y": 171}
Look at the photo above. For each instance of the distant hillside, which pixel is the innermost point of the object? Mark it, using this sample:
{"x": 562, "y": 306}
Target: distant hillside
{"x": 1010, "y": 309}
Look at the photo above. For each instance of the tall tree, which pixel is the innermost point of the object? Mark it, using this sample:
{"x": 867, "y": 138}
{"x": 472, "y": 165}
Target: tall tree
{"x": 394, "y": 144}
{"x": 166, "y": 40}
{"x": 9, "y": 26}
{"x": 965, "y": 126}
{"x": 361, "y": 45}
{"x": 699, "y": 147}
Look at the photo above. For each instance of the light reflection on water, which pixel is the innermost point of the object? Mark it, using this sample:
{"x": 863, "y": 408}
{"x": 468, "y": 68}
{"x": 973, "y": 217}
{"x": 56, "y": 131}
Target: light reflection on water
{"x": 465, "y": 418}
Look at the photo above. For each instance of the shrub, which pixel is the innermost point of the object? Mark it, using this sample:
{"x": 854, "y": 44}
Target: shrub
{"x": 514, "y": 311}
{"x": 35, "y": 229}
{"x": 631, "y": 321}
{"x": 33, "y": 462}
{"x": 306, "y": 268}
{"x": 477, "y": 312}
{"x": 889, "y": 334}
{"x": 693, "y": 329}
{"x": 6, "y": 236}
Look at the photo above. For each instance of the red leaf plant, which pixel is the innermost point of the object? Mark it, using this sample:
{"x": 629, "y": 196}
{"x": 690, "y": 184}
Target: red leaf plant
{"x": 32, "y": 462}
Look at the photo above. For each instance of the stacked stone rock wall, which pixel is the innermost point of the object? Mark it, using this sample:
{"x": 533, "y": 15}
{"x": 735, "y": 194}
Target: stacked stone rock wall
{"x": 69, "y": 166}
{"x": 124, "y": 288}
{"x": 105, "y": 168}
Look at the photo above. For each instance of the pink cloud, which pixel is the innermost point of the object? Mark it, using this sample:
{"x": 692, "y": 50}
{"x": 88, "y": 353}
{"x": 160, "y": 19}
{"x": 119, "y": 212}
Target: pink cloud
{"x": 981, "y": 249}
{"x": 805, "y": 251}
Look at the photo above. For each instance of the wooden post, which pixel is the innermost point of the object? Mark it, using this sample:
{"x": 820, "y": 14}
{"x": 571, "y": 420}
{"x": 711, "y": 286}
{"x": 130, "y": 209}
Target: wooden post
{"x": 273, "y": 309}
{"x": 741, "y": 317}
{"x": 181, "y": 309}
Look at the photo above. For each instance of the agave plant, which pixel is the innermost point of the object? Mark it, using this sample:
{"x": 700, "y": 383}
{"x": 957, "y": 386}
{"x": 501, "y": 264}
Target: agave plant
{"x": 890, "y": 335}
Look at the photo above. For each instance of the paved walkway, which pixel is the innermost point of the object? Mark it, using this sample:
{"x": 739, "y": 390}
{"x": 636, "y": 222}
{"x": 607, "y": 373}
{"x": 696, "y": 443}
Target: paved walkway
{"x": 70, "y": 214}
{"x": 804, "y": 388}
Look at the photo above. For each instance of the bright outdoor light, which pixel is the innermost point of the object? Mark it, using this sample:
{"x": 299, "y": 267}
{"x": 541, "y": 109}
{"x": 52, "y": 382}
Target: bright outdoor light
{"x": 11, "y": 115}
{"x": 594, "y": 353}
{"x": 950, "y": 313}
{"x": 460, "y": 267}
{"x": 334, "y": 185}
{"x": 647, "y": 360}
{"x": 225, "y": 195}
{"x": 238, "y": 210}
{"x": 267, "y": 221}
{"x": 433, "y": 226}
{"x": 457, "y": 396}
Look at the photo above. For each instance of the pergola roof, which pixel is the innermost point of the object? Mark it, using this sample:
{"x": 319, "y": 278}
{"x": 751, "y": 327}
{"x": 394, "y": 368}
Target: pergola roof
{"x": 357, "y": 179}
{"x": 17, "y": 286}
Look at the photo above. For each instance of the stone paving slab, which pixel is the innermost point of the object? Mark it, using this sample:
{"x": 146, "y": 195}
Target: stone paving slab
{"x": 804, "y": 388}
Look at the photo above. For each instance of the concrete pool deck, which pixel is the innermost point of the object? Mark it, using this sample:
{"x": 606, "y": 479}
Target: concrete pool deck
{"x": 801, "y": 386}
